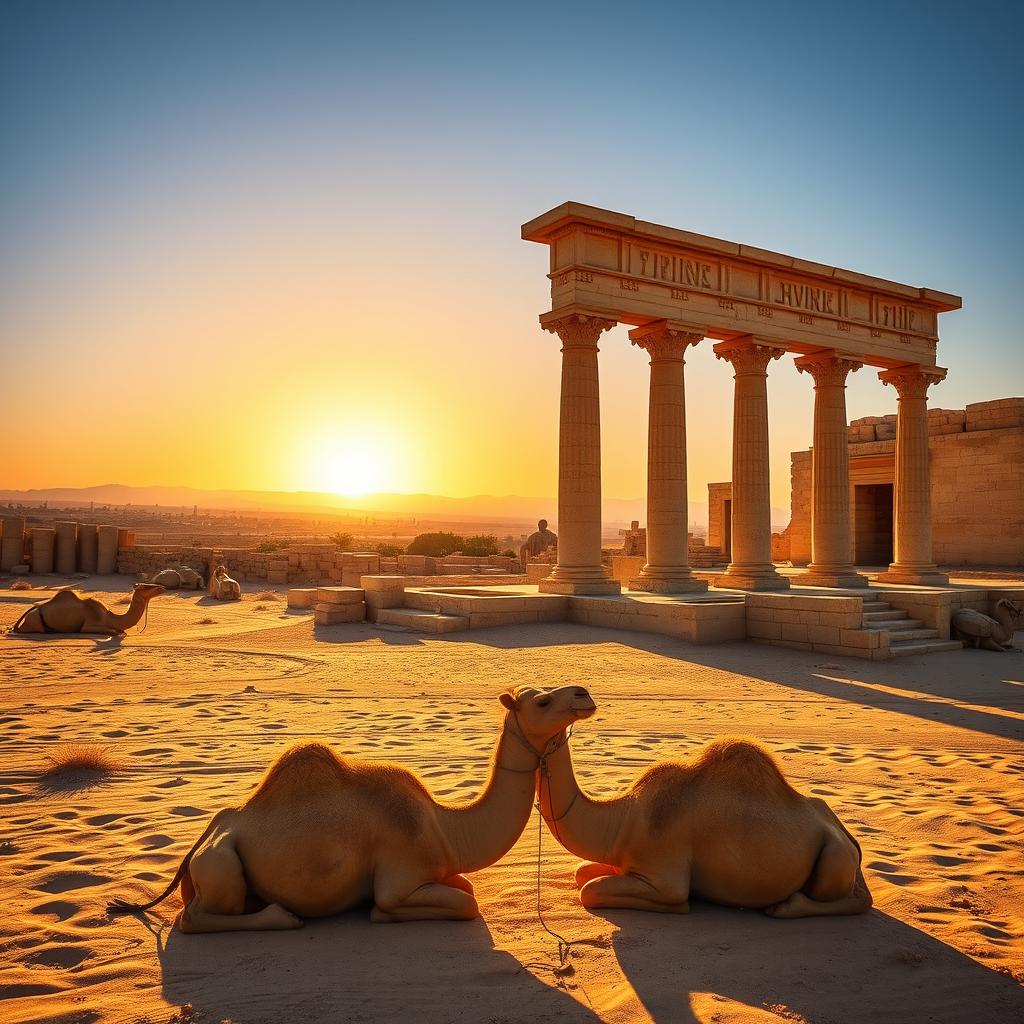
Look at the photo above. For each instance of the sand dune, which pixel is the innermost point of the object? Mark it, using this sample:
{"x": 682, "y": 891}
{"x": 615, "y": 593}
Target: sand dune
{"x": 922, "y": 758}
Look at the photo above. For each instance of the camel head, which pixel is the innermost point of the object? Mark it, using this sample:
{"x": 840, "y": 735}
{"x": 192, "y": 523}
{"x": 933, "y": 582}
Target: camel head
{"x": 147, "y": 591}
{"x": 1015, "y": 608}
{"x": 542, "y": 715}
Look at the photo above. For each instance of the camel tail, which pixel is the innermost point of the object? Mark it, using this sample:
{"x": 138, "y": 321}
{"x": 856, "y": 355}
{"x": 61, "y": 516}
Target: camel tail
{"x": 119, "y": 906}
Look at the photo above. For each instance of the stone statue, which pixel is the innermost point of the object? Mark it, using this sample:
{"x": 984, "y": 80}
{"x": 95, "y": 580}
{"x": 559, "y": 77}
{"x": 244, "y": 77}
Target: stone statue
{"x": 989, "y": 633}
{"x": 537, "y": 543}
{"x": 723, "y": 825}
{"x": 66, "y": 612}
{"x": 323, "y": 833}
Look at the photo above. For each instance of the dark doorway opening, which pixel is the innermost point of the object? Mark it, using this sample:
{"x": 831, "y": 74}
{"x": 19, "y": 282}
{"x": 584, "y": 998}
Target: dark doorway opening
{"x": 872, "y": 525}
{"x": 727, "y": 529}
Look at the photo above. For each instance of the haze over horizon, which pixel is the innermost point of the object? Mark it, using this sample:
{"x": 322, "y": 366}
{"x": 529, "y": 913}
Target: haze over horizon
{"x": 277, "y": 248}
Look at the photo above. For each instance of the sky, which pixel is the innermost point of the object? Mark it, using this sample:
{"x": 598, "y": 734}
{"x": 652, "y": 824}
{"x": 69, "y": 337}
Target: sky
{"x": 276, "y": 245}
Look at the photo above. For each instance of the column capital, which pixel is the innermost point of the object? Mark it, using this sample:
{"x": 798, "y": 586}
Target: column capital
{"x": 576, "y": 328}
{"x": 748, "y": 354}
{"x": 912, "y": 380}
{"x": 665, "y": 340}
{"x": 828, "y": 368}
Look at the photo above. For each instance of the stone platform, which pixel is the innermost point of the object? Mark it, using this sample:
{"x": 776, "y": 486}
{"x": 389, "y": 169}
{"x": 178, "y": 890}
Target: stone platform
{"x": 873, "y": 622}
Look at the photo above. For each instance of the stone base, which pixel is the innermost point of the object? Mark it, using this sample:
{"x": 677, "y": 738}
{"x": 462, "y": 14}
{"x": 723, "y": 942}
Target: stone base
{"x": 682, "y": 585}
{"x": 552, "y": 586}
{"x": 914, "y": 576}
{"x": 738, "y": 579}
{"x": 843, "y": 579}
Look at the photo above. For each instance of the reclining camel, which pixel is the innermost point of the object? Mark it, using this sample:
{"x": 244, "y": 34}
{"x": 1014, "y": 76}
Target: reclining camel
{"x": 66, "y": 612}
{"x": 724, "y": 826}
{"x": 178, "y": 576}
{"x": 323, "y": 833}
{"x": 223, "y": 587}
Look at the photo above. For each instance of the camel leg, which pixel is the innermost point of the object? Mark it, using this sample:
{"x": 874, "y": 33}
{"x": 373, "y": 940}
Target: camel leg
{"x": 433, "y": 901}
{"x": 801, "y": 905}
{"x": 988, "y": 644}
{"x": 459, "y": 882}
{"x": 586, "y": 870}
{"x": 631, "y": 892}
{"x": 218, "y": 881}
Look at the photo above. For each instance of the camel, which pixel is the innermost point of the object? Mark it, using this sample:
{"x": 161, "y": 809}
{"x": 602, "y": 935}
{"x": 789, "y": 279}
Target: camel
{"x": 989, "y": 632}
{"x": 323, "y": 833}
{"x": 175, "y": 577}
{"x": 223, "y": 587}
{"x": 66, "y": 612}
{"x": 725, "y": 826}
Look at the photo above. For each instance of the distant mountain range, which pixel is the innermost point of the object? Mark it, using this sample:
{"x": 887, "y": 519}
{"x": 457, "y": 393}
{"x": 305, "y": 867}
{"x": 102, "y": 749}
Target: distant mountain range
{"x": 476, "y": 507}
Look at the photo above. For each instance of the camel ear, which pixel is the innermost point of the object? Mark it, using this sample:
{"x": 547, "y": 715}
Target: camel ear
{"x": 507, "y": 700}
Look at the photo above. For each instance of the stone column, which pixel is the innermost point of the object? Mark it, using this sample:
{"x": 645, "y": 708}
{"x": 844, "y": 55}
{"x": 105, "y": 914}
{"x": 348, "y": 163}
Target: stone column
{"x": 667, "y": 570}
{"x": 751, "y": 567}
{"x": 831, "y": 564}
{"x": 912, "y": 497}
{"x": 579, "y": 569}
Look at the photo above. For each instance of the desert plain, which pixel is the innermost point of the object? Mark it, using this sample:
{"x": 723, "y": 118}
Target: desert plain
{"x": 921, "y": 757}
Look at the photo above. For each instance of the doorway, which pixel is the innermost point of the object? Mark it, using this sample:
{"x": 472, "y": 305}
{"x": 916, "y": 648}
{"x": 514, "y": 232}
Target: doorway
{"x": 727, "y": 529}
{"x": 872, "y": 524}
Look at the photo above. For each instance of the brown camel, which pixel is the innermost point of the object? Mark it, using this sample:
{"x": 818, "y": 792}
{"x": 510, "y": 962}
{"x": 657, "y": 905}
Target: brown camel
{"x": 66, "y": 612}
{"x": 724, "y": 826}
{"x": 323, "y": 833}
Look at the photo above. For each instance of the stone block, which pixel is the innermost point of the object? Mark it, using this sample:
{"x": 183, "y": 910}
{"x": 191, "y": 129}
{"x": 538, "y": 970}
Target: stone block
{"x": 302, "y": 597}
{"x": 336, "y": 614}
{"x": 764, "y": 630}
{"x": 339, "y": 595}
{"x": 795, "y": 631}
{"x": 277, "y": 576}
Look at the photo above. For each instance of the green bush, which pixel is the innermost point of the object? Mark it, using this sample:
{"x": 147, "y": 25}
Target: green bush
{"x": 343, "y": 540}
{"x": 480, "y": 545}
{"x": 436, "y": 544}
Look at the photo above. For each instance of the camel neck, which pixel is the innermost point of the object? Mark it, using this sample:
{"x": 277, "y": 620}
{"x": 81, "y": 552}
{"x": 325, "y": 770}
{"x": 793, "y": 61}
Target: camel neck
{"x": 483, "y": 831}
{"x": 131, "y": 616}
{"x": 586, "y": 827}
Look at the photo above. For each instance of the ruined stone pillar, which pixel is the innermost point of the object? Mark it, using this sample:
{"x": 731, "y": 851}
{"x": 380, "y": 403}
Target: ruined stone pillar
{"x": 831, "y": 564}
{"x": 751, "y": 567}
{"x": 579, "y": 569}
{"x": 912, "y": 497}
{"x": 64, "y": 556}
{"x": 667, "y": 570}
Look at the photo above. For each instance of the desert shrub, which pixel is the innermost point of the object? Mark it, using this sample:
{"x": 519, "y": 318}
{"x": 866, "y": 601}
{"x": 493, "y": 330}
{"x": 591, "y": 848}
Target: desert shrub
{"x": 266, "y": 595}
{"x": 390, "y": 550}
{"x": 80, "y": 759}
{"x": 259, "y": 608}
{"x": 509, "y": 553}
{"x": 21, "y": 585}
{"x": 270, "y": 545}
{"x": 480, "y": 545}
{"x": 343, "y": 540}
{"x": 207, "y": 621}
{"x": 123, "y": 599}
{"x": 435, "y": 544}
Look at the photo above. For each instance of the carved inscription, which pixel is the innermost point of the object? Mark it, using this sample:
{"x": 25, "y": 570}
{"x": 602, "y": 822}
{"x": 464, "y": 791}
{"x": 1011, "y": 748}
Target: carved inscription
{"x": 677, "y": 269}
{"x": 725, "y": 304}
{"x": 899, "y": 318}
{"x": 843, "y": 327}
{"x": 680, "y": 295}
{"x": 765, "y": 311}
{"x": 629, "y": 286}
{"x": 805, "y": 296}
{"x": 805, "y": 319}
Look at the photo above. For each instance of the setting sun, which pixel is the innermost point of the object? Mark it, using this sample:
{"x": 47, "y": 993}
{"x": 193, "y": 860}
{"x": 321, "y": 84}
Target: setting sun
{"x": 352, "y": 467}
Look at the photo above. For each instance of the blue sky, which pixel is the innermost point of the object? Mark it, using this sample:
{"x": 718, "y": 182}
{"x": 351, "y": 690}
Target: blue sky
{"x": 159, "y": 154}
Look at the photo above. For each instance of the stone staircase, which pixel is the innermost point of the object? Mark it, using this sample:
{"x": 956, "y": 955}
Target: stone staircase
{"x": 421, "y": 620}
{"x": 907, "y": 636}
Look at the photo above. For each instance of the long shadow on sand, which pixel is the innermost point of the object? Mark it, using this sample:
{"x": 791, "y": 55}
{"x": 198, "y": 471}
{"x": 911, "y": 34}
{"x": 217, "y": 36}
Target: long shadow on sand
{"x": 887, "y": 685}
{"x": 346, "y": 969}
{"x": 840, "y": 970}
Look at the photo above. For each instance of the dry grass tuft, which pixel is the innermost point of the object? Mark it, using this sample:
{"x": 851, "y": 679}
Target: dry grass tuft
{"x": 207, "y": 621}
{"x": 266, "y": 595}
{"x": 261, "y": 608}
{"x": 81, "y": 759}
{"x": 124, "y": 599}
{"x": 21, "y": 585}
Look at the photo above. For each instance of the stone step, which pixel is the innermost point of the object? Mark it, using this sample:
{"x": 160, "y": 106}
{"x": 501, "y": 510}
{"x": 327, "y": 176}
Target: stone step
{"x": 899, "y": 626}
{"x": 899, "y": 636}
{"x": 876, "y": 606}
{"x": 888, "y": 616}
{"x": 422, "y": 621}
{"x": 905, "y": 650}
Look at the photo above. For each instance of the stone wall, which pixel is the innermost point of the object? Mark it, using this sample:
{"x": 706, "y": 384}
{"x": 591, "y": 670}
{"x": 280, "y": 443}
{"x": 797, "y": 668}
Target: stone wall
{"x": 718, "y": 494}
{"x": 977, "y": 477}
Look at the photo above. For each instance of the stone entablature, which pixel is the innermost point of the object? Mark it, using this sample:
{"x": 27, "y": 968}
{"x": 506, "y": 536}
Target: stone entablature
{"x": 636, "y": 272}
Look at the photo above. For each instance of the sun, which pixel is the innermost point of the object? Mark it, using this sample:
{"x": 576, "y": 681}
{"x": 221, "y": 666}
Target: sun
{"x": 353, "y": 467}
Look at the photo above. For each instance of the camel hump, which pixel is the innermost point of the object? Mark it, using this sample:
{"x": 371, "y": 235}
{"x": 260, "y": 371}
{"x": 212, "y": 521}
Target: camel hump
{"x": 737, "y": 756}
{"x": 303, "y": 765}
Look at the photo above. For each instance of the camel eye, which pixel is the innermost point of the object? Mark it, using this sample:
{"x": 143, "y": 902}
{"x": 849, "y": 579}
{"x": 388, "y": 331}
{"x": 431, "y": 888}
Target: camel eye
{"x": 543, "y": 702}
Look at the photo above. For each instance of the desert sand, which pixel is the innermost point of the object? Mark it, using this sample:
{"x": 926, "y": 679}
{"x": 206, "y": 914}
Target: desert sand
{"x": 922, "y": 758}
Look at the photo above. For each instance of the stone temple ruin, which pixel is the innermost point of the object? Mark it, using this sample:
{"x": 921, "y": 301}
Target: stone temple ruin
{"x": 890, "y": 494}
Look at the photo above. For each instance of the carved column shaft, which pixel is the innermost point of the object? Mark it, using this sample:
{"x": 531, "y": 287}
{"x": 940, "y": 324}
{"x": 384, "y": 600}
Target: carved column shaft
{"x": 667, "y": 569}
{"x": 579, "y": 567}
{"x": 751, "y": 566}
{"x": 912, "y": 498}
{"x": 831, "y": 564}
